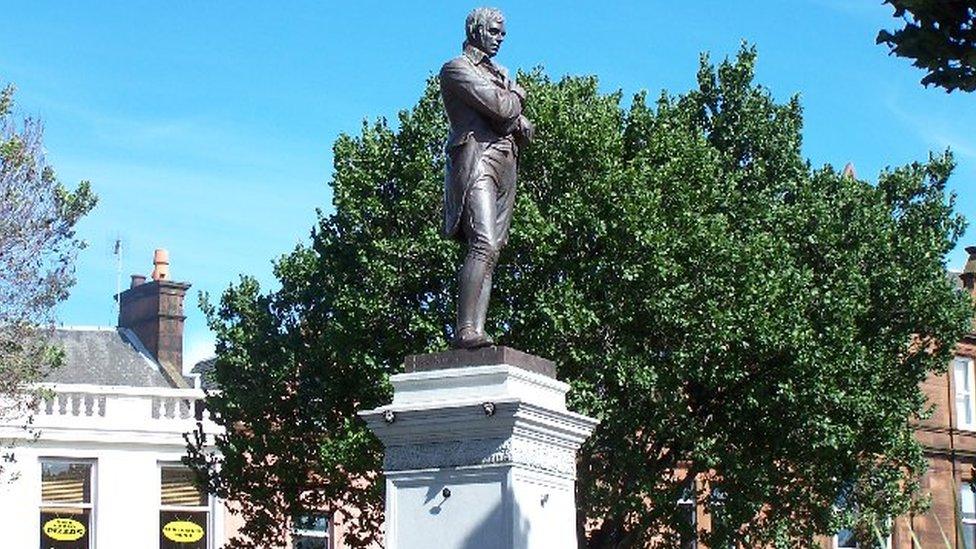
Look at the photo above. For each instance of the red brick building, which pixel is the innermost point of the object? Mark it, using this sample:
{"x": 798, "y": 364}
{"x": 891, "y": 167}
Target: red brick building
{"x": 949, "y": 439}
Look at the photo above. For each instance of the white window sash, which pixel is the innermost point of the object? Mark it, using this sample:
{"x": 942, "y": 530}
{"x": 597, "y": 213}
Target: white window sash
{"x": 965, "y": 405}
{"x": 185, "y": 508}
{"x": 208, "y": 508}
{"x": 887, "y": 543}
{"x": 88, "y": 506}
{"x": 315, "y": 534}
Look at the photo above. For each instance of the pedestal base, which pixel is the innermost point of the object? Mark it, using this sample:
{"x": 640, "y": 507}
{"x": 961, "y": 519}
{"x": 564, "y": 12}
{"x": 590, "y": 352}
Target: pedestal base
{"x": 480, "y": 453}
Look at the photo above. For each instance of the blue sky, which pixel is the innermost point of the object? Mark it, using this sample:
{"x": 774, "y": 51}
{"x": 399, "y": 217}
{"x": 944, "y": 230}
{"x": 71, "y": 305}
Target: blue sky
{"x": 206, "y": 127}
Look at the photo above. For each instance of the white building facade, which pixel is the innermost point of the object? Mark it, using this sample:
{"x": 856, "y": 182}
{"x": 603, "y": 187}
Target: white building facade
{"x": 105, "y": 472}
{"x": 100, "y": 466}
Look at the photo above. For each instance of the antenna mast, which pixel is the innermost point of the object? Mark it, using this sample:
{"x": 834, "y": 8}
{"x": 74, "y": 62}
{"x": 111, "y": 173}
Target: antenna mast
{"x": 118, "y": 275}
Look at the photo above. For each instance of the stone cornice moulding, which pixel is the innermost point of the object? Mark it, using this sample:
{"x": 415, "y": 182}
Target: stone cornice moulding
{"x": 459, "y": 421}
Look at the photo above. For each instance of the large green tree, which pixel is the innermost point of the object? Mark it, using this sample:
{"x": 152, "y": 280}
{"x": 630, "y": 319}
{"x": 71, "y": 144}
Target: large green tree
{"x": 940, "y": 36}
{"x": 718, "y": 304}
{"x": 38, "y": 246}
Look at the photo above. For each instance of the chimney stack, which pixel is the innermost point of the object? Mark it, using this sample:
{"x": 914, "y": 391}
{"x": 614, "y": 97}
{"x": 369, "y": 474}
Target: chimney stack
{"x": 968, "y": 275}
{"x": 154, "y": 312}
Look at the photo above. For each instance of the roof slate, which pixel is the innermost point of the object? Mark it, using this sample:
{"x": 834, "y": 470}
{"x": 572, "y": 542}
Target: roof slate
{"x": 105, "y": 356}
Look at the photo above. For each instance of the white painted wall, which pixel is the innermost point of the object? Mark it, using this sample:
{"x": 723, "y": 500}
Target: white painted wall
{"x": 473, "y": 517}
{"x": 490, "y": 507}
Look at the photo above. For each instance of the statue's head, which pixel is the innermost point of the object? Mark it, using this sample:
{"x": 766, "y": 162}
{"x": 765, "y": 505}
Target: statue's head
{"x": 485, "y": 30}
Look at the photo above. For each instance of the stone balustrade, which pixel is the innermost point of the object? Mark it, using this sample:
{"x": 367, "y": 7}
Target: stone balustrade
{"x": 120, "y": 409}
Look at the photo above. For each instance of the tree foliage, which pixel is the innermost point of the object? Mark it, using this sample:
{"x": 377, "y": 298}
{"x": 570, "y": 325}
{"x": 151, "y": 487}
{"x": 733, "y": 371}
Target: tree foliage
{"x": 940, "y": 36}
{"x": 37, "y": 250}
{"x": 723, "y": 309}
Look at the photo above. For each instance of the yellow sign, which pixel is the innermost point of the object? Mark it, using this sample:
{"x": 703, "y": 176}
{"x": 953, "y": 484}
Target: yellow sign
{"x": 183, "y": 531}
{"x": 64, "y": 529}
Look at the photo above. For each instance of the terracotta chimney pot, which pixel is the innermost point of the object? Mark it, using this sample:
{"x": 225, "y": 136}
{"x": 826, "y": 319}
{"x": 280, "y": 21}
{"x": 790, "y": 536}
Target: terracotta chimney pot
{"x": 160, "y": 265}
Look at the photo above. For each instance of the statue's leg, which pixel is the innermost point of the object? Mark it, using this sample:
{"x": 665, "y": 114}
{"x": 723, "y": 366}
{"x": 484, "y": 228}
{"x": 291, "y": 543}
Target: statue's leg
{"x": 478, "y": 224}
{"x": 505, "y": 200}
{"x": 503, "y": 169}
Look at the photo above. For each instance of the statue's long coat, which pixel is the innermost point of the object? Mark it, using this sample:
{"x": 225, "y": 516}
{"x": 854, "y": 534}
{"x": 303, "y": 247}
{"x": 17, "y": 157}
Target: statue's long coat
{"x": 482, "y": 109}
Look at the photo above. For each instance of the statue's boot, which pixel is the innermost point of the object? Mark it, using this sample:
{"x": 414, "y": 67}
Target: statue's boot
{"x": 474, "y": 282}
{"x": 481, "y": 310}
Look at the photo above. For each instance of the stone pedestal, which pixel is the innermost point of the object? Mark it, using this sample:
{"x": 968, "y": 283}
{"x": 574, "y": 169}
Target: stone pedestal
{"x": 480, "y": 453}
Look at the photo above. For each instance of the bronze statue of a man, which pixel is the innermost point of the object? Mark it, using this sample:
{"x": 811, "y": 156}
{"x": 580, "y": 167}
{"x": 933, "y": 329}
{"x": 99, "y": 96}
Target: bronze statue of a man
{"x": 484, "y": 107}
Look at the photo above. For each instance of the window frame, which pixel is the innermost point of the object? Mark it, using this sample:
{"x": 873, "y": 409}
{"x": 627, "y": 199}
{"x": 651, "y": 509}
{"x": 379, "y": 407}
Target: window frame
{"x": 91, "y": 505}
{"x": 837, "y": 542}
{"x": 717, "y": 498}
{"x": 688, "y": 501}
{"x": 966, "y": 522}
{"x": 970, "y": 376}
{"x": 887, "y": 543}
{"x": 327, "y": 534}
{"x": 208, "y": 508}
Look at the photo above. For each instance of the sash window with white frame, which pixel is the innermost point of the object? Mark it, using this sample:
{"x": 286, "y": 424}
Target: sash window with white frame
{"x": 312, "y": 532}
{"x": 962, "y": 377}
{"x": 844, "y": 539}
{"x": 67, "y": 503}
{"x": 967, "y": 502}
{"x": 184, "y": 510}
{"x": 689, "y": 508}
{"x": 718, "y": 510}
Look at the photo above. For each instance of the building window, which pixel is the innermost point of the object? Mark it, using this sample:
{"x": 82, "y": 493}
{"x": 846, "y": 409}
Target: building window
{"x": 689, "y": 509}
{"x": 967, "y": 500}
{"x": 184, "y": 510}
{"x": 67, "y": 504}
{"x": 845, "y": 540}
{"x": 718, "y": 511}
{"x": 962, "y": 370}
{"x": 312, "y": 532}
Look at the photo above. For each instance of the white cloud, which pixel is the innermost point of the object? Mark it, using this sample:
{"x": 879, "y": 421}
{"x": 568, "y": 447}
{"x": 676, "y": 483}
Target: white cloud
{"x": 939, "y": 131}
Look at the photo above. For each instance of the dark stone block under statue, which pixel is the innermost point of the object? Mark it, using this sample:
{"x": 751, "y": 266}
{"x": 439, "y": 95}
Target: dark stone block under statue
{"x": 482, "y": 356}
